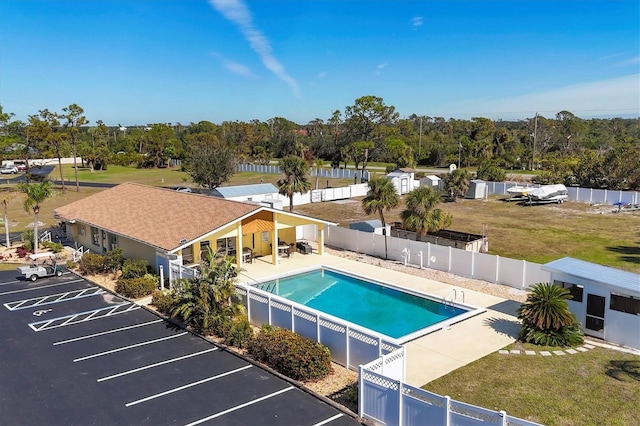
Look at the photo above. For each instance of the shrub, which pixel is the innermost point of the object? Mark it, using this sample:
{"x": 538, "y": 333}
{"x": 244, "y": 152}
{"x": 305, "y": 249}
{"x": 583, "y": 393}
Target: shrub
{"x": 134, "y": 268}
{"x": 53, "y": 246}
{"x": 137, "y": 287}
{"x": 291, "y": 354}
{"x": 71, "y": 264}
{"x": 22, "y": 252}
{"x": 163, "y": 300}
{"x": 239, "y": 332}
{"x": 114, "y": 259}
{"x": 27, "y": 239}
{"x": 92, "y": 263}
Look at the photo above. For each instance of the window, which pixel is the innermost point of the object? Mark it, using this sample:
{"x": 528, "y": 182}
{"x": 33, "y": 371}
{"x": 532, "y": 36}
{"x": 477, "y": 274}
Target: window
{"x": 575, "y": 290}
{"x": 623, "y": 303}
{"x": 113, "y": 241}
{"x": 95, "y": 236}
{"x": 226, "y": 245}
{"x": 204, "y": 249}
{"x": 82, "y": 231}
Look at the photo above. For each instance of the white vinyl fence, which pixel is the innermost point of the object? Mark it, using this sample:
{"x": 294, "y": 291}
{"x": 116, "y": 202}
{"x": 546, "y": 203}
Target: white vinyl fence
{"x": 583, "y": 195}
{"x": 391, "y": 402}
{"x": 487, "y": 267}
{"x": 350, "y": 346}
{"x": 321, "y": 172}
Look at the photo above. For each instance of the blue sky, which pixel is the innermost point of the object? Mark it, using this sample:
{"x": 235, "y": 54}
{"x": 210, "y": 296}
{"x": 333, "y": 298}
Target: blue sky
{"x": 150, "y": 61}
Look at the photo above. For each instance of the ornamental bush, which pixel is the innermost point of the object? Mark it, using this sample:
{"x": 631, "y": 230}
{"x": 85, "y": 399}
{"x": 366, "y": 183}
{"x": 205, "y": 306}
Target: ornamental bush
{"x": 291, "y": 354}
{"x": 92, "y": 263}
{"x": 134, "y": 268}
{"x": 137, "y": 287}
{"x": 163, "y": 300}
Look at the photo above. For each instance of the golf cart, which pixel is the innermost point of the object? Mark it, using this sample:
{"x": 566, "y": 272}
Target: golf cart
{"x": 45, "y": 265}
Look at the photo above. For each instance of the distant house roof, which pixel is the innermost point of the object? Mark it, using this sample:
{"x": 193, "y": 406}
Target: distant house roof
{"x": 367, "y": 225}
{"x": 400, "y": 172}
{"x": 432, "y": 178}
{"x": 244, "y": 190}
{"x": 155, "y": 216}
{"x": 593, "y": 272}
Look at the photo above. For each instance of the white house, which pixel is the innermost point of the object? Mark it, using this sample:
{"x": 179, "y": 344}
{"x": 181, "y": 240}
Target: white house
{"x": 606, "y": 300}
{"x": 403, "y": 179}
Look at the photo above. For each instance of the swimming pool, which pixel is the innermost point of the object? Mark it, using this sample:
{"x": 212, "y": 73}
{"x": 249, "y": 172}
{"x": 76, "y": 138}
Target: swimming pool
{"x": 388, "y": 310}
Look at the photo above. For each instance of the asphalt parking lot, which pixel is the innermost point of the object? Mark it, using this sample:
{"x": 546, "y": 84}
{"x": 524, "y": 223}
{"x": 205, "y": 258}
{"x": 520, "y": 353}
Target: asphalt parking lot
{"x": 73, "y": 354}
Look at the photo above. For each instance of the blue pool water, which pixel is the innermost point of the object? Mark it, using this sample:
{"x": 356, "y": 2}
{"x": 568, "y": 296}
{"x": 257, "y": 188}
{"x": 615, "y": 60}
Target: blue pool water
{"x": 383, "y": 309}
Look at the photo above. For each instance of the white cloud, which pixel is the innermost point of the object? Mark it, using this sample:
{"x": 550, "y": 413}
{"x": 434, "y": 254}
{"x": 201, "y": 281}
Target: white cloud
{"x": 613, "y": 97}
{"x": 416, "y": 22}
{"x": 238, "y": 68}
{"x": 630, "y": 61}
{"x": 380, "y": 67}
{"x": 237, "y": 12}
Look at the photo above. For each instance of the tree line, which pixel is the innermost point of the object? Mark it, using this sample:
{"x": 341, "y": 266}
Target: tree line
{"x": 597, "y": 153}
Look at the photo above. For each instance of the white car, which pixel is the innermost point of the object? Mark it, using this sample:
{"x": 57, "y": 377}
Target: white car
{"x": 9, "y": 169}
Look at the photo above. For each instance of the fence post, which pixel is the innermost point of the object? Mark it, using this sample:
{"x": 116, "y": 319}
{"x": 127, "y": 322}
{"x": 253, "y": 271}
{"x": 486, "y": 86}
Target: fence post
{"x": 248, "y": 304}
{"x": 524, "y": 272}
{"x": 269, "y": 308}
{"x": 347, "y": 347}
{"x": 449, "y": 266}
{"x": 497, "y": 269}
{"x": 360, "y": 391}
{"x": 428, "y": 255}
{"x": 293, "y": 319}
{"x": 473, "y": 264}
{"x": 161, "y": 277}
{"x": 447, "y": 407}
{"x": 503, "y": 417}
{"x": 400, "y": 421}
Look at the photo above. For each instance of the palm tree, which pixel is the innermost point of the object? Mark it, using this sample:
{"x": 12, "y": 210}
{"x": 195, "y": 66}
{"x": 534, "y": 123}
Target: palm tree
{"x": 421, "y": 216}
{"x": 295, "y": 177}
{"x": 546, "y": 318}
{"x": 37, "y": 193}
{"x": 457, "y": 183}
{"x": 207, "y": 302}
{"x": 381, "y": 196}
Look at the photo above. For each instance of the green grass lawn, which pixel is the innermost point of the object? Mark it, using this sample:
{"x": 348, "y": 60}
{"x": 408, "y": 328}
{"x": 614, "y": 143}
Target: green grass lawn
{"x": 598, "y": 387}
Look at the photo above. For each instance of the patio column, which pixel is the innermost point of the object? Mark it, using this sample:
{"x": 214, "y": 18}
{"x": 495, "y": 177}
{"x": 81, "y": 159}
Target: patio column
{"x": 239, "y": 245}
{"x": 274, "y": 241}
{"x": 320, "y": 240}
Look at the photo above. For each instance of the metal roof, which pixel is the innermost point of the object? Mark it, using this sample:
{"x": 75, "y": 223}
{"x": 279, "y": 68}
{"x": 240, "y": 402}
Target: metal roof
{"x": 244, "y": 190}
{"x": 591, "y": 271}
{"x": 367, "y": 225}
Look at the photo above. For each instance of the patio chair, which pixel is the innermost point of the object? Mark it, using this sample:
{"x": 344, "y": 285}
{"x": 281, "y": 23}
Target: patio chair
{"x": 291, "y": 250}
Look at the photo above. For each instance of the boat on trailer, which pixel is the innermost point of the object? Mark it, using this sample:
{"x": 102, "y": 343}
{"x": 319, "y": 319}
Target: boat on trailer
{"x": 548, "y": 194}
{"x": 519, "y": 192}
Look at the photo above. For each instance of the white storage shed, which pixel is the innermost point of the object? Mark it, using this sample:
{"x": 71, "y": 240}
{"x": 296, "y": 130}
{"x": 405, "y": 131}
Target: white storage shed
{"x": 606, "y": 300}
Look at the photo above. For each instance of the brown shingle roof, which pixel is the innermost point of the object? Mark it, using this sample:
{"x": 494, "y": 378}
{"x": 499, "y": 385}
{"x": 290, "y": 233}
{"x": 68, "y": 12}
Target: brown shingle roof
{"x": 156, "y": 216}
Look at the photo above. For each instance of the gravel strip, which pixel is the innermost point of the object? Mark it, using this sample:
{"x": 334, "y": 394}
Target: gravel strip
{"x": 497, "y": 290}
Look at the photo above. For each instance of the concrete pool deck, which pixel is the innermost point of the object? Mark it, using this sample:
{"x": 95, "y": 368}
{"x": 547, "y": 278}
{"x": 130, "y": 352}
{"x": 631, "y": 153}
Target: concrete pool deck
{"x": 435, "y": 354}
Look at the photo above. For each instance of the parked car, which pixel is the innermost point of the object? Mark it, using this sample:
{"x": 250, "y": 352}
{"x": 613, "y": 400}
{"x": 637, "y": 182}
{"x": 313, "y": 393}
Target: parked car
{"x": 20, "y": 165}
{"x": 182, "y": 189}
{"x": 9, "y": 169}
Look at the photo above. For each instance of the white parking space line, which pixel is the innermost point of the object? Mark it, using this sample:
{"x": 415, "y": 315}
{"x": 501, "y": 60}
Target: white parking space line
{"x": 330, "y": 419}
{"x": 10, "y": 282}
{"x": 199, "y": 382}
{"x": 89, "y": 336}
{"x": 237, "y": 407}
{"x": 80, "y": 317}
{"x": 54, "y": 298}
{"x": 124, "y": 348}
{"x": 39, "y": 287}
{"x": 146, "y": 367}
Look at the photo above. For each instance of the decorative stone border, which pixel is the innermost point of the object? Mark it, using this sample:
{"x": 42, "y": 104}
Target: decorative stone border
{"x": 583, "y": 348}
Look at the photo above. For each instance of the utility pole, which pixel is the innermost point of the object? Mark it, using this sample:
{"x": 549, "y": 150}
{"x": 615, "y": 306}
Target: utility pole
{"x": 533, "y": 154}
{"x": 420, "y": 141}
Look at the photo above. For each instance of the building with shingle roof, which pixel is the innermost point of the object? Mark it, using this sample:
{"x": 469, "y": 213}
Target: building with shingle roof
{"x": 158, "y": 224}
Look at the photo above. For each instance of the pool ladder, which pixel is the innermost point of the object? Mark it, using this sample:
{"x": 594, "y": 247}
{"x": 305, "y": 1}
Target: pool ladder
{"x": 453, "y": 297}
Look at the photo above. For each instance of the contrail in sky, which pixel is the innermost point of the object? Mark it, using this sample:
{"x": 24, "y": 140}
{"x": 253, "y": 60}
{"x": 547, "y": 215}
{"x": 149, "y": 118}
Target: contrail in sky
{"x": 237, "y": 12}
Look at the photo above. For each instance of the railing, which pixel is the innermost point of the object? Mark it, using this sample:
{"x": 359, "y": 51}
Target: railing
{"x": 45, "y": 236}
{"x": 78, "y": 253}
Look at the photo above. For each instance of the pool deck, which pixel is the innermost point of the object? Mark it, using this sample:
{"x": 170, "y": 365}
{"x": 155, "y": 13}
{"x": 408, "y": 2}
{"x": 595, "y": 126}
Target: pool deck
{"x": 435, "y": 354}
